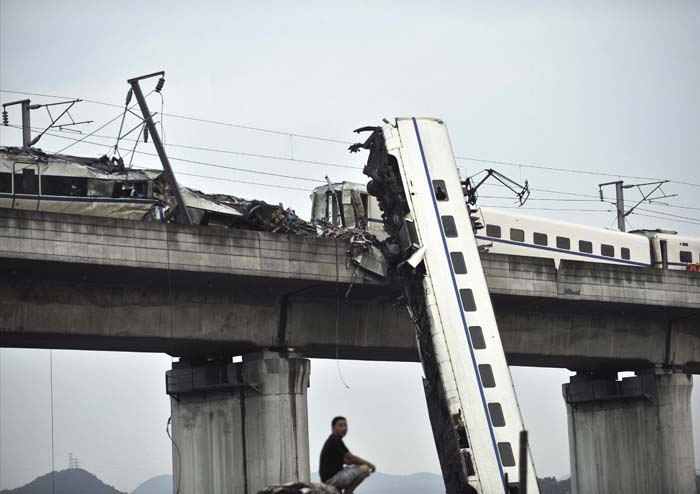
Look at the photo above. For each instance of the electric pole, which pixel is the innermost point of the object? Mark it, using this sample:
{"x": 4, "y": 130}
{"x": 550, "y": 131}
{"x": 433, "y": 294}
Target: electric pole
{"x": 182, "y": 215}
{"x": 27, "y": 141}
{"x": 26, "y": 121}
{"x": 620, "y": 199}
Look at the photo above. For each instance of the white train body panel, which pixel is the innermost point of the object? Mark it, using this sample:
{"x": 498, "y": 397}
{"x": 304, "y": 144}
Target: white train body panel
{"x": 521, "y": 234}
{"x": 672, "y": 251}
{"x": 475, "y": 374}
{"x": 23, "y": 183}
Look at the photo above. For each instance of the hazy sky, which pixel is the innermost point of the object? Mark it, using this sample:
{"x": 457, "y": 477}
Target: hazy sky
{"x": 601, "y": 86}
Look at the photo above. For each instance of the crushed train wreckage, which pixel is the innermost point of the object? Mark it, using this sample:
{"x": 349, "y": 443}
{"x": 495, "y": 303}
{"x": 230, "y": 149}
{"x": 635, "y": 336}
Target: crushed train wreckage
{"x": 300, "y": 488}
{"x": 38, "y": 181}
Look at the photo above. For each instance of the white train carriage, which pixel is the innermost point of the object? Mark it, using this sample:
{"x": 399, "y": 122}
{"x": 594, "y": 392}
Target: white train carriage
{"x": 523, "y": 235}
{"x": 75, "y": 186}
{"x": 672, "y": 251}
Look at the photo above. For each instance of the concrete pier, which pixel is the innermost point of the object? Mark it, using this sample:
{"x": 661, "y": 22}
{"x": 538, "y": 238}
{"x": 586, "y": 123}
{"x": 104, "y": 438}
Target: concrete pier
{"x": 238, "y": 427}
{"x": 631, "y": 436}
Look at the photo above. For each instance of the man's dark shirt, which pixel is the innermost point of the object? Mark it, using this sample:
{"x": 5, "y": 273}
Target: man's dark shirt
{"x": 332, "y": 457}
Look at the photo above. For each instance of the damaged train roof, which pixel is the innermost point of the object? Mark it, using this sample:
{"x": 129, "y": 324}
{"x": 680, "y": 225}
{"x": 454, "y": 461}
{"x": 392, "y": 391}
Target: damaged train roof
{"x": 105, "y": 186}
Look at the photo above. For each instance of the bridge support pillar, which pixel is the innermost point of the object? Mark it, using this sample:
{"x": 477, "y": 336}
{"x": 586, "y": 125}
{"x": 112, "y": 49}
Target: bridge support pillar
{"x": 239, "y": 427}
{"x": 633, "y": 435}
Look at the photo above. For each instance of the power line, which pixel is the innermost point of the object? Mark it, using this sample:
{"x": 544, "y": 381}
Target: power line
{"x": 667, "y": 219}
{"x": 53, "y": 466}
{"x": 669, "y": 214}
{"x": 589, "y": 198}
{"x": 197, "y": 162}
{"x": 569, "y": 170}
{"x": 245, "y": 170}
{"x": 195, "y": 119}
{"x": 557, "y": 199}
{"x": 553, "y": 209}
{"x": 243, "y": 182}
{"x": 238, "y": 153}
{"x": 340, "y": 141}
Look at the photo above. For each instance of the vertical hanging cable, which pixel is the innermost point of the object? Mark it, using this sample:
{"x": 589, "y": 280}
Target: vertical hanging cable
{"x": 337, "y": 316}
{"x": 0, "y": 416}
{"x": 53, "y": 469}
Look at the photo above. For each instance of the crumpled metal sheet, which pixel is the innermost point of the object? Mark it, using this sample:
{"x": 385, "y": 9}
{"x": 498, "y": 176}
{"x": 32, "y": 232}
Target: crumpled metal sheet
{"x": 116, "y": 191}
{"x": 300, "y": 488}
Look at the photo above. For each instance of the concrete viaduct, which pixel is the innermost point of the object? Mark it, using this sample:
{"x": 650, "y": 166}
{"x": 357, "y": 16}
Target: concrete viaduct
{"x": 206, "y": 294}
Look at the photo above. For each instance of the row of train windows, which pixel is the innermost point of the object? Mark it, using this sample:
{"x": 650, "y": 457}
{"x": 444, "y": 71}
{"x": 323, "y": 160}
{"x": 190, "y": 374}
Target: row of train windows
{"x": 564, "y": 243}
{"x": 27, "y": 182}
{"x": 476, "y": 334}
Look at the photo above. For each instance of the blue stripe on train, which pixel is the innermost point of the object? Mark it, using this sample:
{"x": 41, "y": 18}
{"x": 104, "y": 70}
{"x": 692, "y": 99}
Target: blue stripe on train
{"x": 564, "y": 251}
{"x": 124, "y": 200}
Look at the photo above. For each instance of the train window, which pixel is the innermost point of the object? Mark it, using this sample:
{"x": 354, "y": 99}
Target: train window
{"x": 517, "y": 235}
{"x": 496, "y": 413}
{"x": 467, "y": 296}
{"x": 27, "y": 182}
{"x": 539, "y": 238}
{"x": 478, "y": 341}
{"x": 63, "y": 186}
{"x": 493, "y": 231}
{"x": 585, "y": 246}
{"x": 449, "y": 226}
{"x": 440, "y": 190}
{"x": 506, "y": 453}
{"x": 607, "y": 250}
{"x": 458, "y": 264}
{"x": 563, "y": 243}
{"x": 6, "y": 182}
{"x": 625, "y": 253}
{"x": 486, "y": 373}
{"x": 686, "y": 256}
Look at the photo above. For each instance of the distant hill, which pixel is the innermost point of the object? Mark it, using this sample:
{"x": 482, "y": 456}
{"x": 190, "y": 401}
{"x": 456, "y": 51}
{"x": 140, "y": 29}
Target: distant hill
{"x": 162, "y": 484}
{"x": 78, "y": 481}
{"x": 550, "y": 485}
{"x": 71, "y": 481}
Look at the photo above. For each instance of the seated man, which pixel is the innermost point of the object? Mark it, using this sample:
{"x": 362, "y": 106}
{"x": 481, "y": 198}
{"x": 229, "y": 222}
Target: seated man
{"x": 335, "y": 455}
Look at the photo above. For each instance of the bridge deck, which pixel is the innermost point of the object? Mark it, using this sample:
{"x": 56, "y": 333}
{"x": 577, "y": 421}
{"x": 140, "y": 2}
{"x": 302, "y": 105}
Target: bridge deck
{"x": 96, "y": 283}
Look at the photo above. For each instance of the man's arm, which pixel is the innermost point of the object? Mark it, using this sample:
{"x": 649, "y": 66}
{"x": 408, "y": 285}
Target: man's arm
{"x": 356, "y": 460}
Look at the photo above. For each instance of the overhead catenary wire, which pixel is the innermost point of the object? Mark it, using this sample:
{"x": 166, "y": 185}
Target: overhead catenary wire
{"x": 588, "y": 197}
{"x": 204, "y": 163}
{"x": 668, "y": 219}
{"x": 228, "y": 151}
{"x": 243, "y": 182}
{"x": 570, "y": 170}
{"x": 245, "y": 170}
{"x": 194, "y": 119}
{"x": 53, "y": 463}
{"x": 98, "y": 129}
{"x": 327, "y": 139}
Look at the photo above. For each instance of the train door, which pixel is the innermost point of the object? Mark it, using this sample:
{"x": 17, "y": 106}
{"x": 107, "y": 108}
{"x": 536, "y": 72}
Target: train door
{"x": 664, "y": 254}
{"x": 26, "y": 183}
{"x": 5, "y": 185}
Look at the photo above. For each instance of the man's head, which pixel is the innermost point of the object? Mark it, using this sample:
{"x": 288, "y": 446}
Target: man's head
{"x": 339, "y": 426}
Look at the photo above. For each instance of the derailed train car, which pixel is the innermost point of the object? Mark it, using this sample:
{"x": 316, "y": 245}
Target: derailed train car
{"x": 70, "y": 184}
{"x": 524, "y": 235}
{"x": 37, "y": 181}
